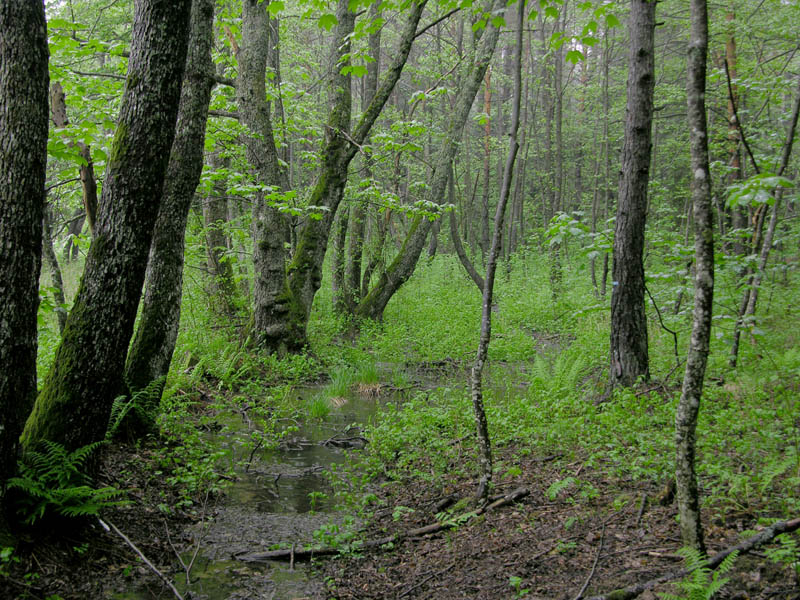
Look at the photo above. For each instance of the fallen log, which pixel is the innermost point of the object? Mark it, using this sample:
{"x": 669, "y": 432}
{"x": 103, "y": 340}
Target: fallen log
{"x": 298, "y": 554}
{"x": 761, "y": 538}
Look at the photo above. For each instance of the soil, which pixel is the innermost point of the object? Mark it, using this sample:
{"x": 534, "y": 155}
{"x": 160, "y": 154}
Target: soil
{"x": 539, "y": 548}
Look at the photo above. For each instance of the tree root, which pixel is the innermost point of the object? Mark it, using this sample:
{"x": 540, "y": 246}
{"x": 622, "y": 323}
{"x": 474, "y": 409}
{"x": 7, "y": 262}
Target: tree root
{"x": 298, "y": 554}
{"x": 763, "y": 537}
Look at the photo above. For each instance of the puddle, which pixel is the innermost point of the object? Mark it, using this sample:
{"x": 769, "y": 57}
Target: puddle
{"x": 270, "y": 504}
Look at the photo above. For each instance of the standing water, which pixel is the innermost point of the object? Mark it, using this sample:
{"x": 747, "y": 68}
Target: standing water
{"x": 280, "y": 499}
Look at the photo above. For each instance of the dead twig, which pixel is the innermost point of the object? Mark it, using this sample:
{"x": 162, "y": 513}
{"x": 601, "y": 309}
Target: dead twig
{"x": 110, "y": 526}
{"x": 309, "y": 553}
{"x": 765, "y": 536}
{"x": 426, "y": 580}
{"x": 594, "y": 566}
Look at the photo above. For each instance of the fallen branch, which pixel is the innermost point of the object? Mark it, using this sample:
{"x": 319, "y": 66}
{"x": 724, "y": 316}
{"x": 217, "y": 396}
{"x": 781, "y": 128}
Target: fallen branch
{"x": 765, "y": 536}
{"x": 309, "y": 553}
{"x": 110, "y": 526}
{"x": 594, "y": 566}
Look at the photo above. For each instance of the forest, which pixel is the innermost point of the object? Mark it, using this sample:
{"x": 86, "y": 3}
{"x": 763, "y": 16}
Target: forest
{"x": 359, "y": 299}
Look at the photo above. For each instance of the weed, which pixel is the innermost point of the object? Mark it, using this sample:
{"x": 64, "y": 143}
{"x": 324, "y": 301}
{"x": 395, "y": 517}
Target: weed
{"x": 701, "y": 583}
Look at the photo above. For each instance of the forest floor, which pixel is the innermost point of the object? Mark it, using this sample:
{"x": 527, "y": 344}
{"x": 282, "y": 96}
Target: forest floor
{"x": 545, "y": 546}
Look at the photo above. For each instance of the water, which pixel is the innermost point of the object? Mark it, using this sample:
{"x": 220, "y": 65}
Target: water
{"x": 269, "y": 504}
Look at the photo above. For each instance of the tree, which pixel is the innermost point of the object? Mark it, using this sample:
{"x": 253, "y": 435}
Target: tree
{"x": 629, "y": 359}
{"x": 24, "y": 82}
{"x": 402, "y": 267}
{"x": 689, "y": 404}
{"x": 304, "y": 271}
{"x": 154, "y": 342}
{"x": 75, "y": 401}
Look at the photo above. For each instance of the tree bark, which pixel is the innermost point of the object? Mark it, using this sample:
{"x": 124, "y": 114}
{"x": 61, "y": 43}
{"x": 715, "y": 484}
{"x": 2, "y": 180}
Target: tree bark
{"x": 689, "y": 404}
{"x": 476, "y": 374}
{"x": 216, "y": 214}
{"x": 151, "y": 352}
{"x": 75, "y": 402}
{"x": 270, "y": 229}
{"x": 401, "y": 268}
{"x": 24, "y": 81}
{"x": 49, "y": 256}
{"x": 304, "y": 272}
{"x": 629, "y": 359}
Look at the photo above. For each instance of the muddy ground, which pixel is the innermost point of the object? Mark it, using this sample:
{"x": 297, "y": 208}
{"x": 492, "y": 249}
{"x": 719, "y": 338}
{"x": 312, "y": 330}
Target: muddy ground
{"x": 539, "y": 548}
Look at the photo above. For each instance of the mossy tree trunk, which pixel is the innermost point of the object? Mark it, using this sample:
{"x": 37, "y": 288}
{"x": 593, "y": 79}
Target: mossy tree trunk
{"x": 629, "y": 352}
{"x": 154, "y": 342}
{"x": 398, "y": 272}
{"x": 216, "y": 215}
{"x": 24, "y": 111}
{"x": 689, "y": 404}
{"x": 304, "y": 272}
{"x": 75, "y": 402}
{"x": 270, "y": 228}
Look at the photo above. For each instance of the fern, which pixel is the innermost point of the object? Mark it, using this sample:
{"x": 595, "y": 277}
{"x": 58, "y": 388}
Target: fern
{"x": 702, "y": 583}
{"x": 134, "y": 416}
{"x": 53, "y": 480}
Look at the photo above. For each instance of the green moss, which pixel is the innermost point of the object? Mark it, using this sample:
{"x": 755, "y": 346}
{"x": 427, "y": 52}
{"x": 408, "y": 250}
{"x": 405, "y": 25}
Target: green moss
{"x": 119, "y": 147}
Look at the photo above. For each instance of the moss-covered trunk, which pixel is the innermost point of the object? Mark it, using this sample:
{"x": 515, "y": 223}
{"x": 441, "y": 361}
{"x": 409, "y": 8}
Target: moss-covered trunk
{"x": 154, "y": 342}
{"x": 304, "y": 273}
{"x": 75, "y": 402}
{"x": 24, "y": 83}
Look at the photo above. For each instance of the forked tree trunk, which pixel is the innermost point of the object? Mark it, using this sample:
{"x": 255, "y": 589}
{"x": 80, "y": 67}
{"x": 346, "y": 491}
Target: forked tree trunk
{"x": 24, "y": 111}
{"x": 151, "y": 352}
{"x": 398, "y": 272}
{"x": 74, "y": 404}
{"x": 689, "y": 404}
{"x": 629, "y": 358}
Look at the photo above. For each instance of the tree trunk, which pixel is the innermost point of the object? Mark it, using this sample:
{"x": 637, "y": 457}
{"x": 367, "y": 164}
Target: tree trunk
{"x": 476, "y": 379}
{"x": 216, "y": 215}
{"x": 629, "y": 360}
{"x": 397, "y": 273}
{"x": 304, "y": 272}
{"x": 24, "y": 81}
{"x": 154, "y": 342}
{"x": 49, "y": 255}
{"x": 689, "y": 404}
{"x": 270, "y": 229}
{"x": 75, "y": 402}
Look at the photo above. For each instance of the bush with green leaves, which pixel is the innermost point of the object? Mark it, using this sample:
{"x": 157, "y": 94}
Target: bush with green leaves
{"x": 53, "y": 480}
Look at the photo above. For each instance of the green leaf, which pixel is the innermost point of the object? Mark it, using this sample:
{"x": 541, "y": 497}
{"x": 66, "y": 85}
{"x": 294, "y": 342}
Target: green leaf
{"x": 612, "y": 21}
{"x": 574, "y": 56}
{"x": 275, "y": 7}
{"x": 498, "y": 22}
{"x": 589, "y": 40}
{"x": 327, "y": 22}
{"x": 551, "y": 11}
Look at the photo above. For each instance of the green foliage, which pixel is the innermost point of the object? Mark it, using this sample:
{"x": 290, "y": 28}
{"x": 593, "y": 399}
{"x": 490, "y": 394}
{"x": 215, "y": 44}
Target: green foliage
{"x": 133, "y": 416}
{"x": 702, "y": 583}
{"x": 53, "y": 481}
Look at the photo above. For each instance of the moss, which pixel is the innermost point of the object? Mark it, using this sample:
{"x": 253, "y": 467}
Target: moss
{"x": 119, "y": 147}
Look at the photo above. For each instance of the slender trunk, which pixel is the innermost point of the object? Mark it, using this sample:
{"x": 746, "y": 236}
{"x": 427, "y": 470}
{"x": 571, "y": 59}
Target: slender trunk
{"x": 689, "y": 404}
{"x": 216, "y": 215}
{"x": 629, "y": 358}
{"x": 340, "y": 225}
{"x": 49, "y": 255}
{"x": 476, "y": 375}
{"x": 74, "y": 404}
{"x": 24, "y": 84}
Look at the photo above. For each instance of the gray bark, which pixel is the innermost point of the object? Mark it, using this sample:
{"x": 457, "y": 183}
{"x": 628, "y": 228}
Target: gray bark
{"x": 154, "y": 342}
{"x": 49, "y": 256}
{"x": 689, "y": 404}
{"x": 476, "y": 374}
{"x": 75, "y": 402}
{"x": 24, "y": 109}
{"x": 629, "y": 359}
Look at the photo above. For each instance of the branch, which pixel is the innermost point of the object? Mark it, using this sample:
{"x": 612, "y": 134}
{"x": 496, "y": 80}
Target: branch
{"x": 436, "y": 22}
{"x": 163, "y": 577}
{"x": 767, "y": 535}
{"x": 224, "y": 113}
{"x": 736, "y": 116}
{"x": 108, "y": 75}
{"x": 219, "y": 79}
{"x": 308, "y": 553}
